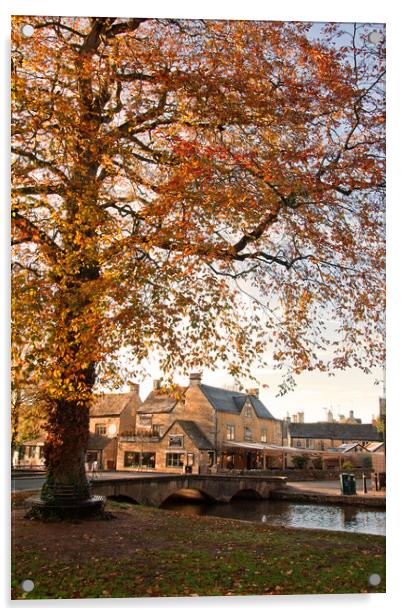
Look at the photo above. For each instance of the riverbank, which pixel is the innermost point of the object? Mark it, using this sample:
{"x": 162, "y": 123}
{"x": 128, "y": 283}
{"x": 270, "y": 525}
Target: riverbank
{"x": 329, "y": 492}
{"x": 147, "y": 552}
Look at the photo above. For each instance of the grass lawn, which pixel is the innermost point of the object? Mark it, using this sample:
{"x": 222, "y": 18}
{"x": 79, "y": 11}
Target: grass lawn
{"x": 147, "y": 552}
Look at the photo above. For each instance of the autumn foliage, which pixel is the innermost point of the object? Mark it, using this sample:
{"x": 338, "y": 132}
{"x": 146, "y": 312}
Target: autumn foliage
{"x": 205, "y": 190}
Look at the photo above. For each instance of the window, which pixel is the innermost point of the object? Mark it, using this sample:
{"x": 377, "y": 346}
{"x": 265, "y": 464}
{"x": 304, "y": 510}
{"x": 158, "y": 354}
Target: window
{"x": 263, "y": 435}
{"x": 175, "y": 440}
{"x": 248, "y": 434}
{"x": 100, "y": 428}
{"x": 307, "y": 442}
{"x": 174, "y": 459}
{"x": 31, "y": 451}
{"x": 230, "y": 432}
{"x": 298, "y": 444}
{"x": 41, "y": 452}
{"x": 138, "y": 459}
{"x": 144, "y": 420}
{"x": 211, "y": 458}
{"x": 157, "y": 430}
{"x": 190, "y": 459}
{"x": 247, "y": 411}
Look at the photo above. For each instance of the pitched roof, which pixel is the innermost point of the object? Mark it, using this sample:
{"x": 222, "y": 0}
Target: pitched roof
{"x": 343, "y": 432}
{"x": 373, "y": 447}
{"x": 107, "y": 405}
{"x": 159, "y": 402}
{"x": 195, "y": 433}
{"x": 233, "y": 401}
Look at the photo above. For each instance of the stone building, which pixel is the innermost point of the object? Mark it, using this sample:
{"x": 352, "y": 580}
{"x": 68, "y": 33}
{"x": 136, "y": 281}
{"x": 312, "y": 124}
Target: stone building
{"x": 201, "y": 428}
{"x": 326, "y": 435}
{"x": 110, "y": 416}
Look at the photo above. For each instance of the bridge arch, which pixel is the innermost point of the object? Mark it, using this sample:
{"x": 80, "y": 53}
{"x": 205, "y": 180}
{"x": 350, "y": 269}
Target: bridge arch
{"x": 123, "y": 498}
{"x": 190, "y": 494}
{"x": 250, "y": 493}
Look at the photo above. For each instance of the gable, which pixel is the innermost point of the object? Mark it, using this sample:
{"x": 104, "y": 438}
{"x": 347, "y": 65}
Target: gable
{"x": 192, "y": 430}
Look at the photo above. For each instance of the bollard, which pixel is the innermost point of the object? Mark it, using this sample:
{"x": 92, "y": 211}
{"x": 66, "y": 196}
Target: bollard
{"x": 376, "y": 482}
{"x": 365, "y": 484}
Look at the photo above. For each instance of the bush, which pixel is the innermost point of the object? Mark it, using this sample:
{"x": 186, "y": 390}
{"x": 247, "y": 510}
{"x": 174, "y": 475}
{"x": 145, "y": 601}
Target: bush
{"x": 347, "y": 465}
{"x": 367, "y": 462}
{"x": 300, "y": 461}
{"x": 317, "y": 463}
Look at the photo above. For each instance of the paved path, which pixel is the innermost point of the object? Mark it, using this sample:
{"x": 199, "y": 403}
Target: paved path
{"x": 332, "y": 488}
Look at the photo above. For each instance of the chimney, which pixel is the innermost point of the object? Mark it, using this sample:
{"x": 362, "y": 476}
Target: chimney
{"x": 195, "y": 378}
{"x": 287, "y": 418}
{"x": 330, "y": 417}
{"x": 254, "y": 392}
{"x": 300, "y": 417}
{"x": 341, "y": 417}
{"x": 351, "y": 415}
{"x": 294, "y": 418}
{"x": 157, "y": 384}
{"x": 134, "y": 387}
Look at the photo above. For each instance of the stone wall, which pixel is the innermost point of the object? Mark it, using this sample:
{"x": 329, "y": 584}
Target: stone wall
{"x": 273, "y": 427}
{"x": 310, "y": 474}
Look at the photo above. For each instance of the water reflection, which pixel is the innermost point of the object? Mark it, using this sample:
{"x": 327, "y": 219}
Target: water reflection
{"x": 286, "y": 513}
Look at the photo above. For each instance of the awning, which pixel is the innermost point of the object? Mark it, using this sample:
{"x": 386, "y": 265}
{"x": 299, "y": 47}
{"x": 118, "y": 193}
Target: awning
{"x": 281, "y": 449}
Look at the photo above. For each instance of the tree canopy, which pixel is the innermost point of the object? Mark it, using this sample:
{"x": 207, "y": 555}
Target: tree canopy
{"x": 160, "y": 167}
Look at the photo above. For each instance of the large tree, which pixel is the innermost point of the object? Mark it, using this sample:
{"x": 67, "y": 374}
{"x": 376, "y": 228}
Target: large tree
{"x": 159, "y": 167}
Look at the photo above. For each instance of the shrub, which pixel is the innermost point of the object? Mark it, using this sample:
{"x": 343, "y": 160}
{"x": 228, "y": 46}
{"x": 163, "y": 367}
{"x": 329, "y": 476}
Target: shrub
{"x": 317, "y": 463}
{"x": 300, "y": 461}
{"x": 347, "y": 465}
{"x": 367, "y": 462}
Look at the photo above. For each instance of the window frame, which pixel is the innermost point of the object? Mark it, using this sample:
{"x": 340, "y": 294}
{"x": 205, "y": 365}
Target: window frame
{"x": 103, "y": 428}
{"x": 174, "y": 455}
{"x": 230, "y": 432}
{"x": 139, "y": 455}
{"x": 248, "y": 434}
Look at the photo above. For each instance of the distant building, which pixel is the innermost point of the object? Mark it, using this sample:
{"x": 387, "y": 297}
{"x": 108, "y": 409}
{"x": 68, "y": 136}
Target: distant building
{"x": 325, "y": 435}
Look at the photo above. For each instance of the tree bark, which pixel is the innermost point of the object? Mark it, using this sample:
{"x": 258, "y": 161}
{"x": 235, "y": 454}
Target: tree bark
{"x": 66, "y": 445}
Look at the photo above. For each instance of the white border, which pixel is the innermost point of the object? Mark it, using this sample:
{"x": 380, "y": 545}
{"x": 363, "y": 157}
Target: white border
{"x": 339, "y": 10}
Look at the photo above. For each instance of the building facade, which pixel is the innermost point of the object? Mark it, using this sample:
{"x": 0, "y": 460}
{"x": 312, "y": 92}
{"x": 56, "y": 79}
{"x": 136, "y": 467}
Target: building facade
{"x": 109, "y": 416}
{"x": 203, "y": 428}
{"x": 325, "y": 435}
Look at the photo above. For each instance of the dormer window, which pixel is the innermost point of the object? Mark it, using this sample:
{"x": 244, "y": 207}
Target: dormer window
{"x": 247, "y": 410}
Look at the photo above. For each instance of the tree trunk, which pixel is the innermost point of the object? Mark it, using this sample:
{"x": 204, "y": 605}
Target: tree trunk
{"x": 65, "y": 449}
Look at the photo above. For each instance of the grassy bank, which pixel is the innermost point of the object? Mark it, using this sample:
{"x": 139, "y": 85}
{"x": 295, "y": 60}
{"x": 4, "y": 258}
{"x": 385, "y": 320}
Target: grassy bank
{"x": 146, "y": 552}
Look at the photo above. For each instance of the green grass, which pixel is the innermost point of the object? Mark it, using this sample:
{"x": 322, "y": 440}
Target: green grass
{"x": 177, "y": 555}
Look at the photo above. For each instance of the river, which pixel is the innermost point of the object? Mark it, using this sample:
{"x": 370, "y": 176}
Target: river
{"x": 286, "y": 513}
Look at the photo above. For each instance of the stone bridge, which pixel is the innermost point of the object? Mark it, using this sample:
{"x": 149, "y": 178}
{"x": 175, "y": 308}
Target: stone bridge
{"x": 154, "y": 490}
